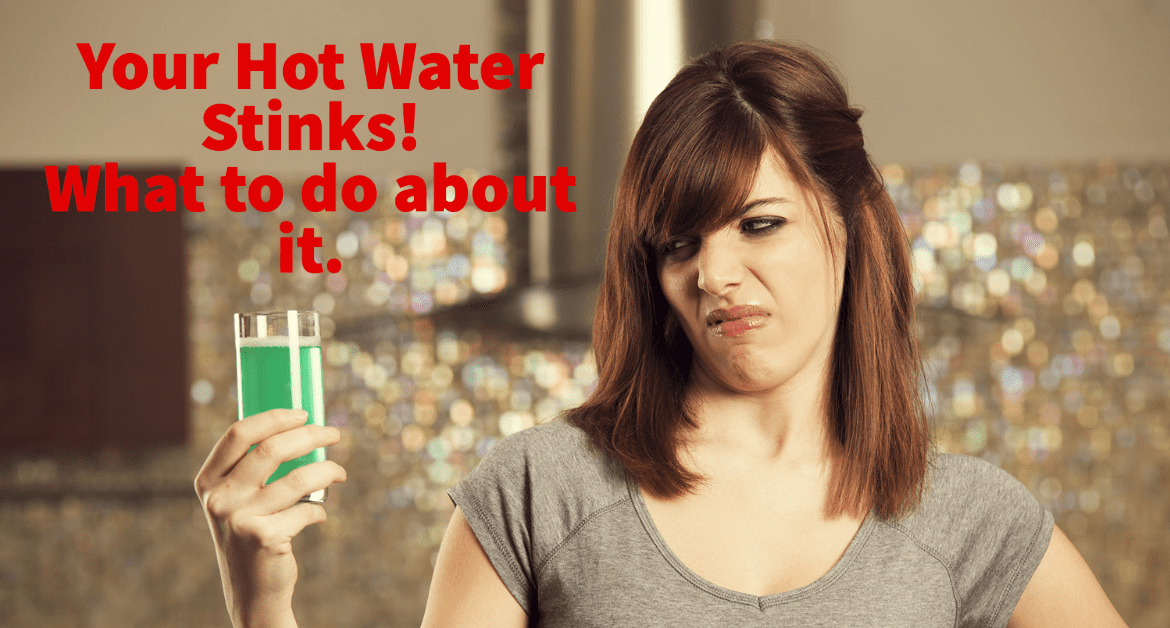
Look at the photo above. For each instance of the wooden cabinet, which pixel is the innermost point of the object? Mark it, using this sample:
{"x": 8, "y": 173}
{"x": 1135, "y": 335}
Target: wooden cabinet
{"x": 93, "y": 325}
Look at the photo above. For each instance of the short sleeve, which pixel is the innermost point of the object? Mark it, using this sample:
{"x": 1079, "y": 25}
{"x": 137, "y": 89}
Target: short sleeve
{"x": 494, "y": 498}
{"x": 999, "y": 532}
{"x": 528, "y": 494}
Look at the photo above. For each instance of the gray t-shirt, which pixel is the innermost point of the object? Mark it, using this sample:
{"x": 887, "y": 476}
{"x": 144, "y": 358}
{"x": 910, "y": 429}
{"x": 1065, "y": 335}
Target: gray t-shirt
{"x": 570, "y": 537}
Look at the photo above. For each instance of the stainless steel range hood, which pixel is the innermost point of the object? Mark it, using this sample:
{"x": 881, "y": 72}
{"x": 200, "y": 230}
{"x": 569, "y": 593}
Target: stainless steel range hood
{"x": 605, "y": 60}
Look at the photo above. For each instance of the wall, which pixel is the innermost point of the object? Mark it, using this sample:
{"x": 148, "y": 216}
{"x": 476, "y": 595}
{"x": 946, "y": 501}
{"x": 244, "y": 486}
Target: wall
{"x": 47, "y": 114}
{"x": 997, "y": 79}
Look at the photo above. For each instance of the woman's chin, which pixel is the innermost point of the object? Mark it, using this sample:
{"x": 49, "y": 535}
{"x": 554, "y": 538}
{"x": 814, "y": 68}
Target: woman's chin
{"x": 752, "y": 379}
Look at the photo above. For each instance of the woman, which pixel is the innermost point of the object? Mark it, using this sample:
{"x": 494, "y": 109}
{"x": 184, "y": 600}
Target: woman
{"x": 755, "y": 453}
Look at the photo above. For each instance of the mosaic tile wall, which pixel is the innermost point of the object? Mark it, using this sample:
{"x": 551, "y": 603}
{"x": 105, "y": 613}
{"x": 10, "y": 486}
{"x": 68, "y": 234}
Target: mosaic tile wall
{"x": 1045, "y": 317}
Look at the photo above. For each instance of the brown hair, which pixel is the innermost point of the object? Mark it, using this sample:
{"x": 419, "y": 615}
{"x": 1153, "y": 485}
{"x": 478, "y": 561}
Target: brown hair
{"x": 692, "y": 164}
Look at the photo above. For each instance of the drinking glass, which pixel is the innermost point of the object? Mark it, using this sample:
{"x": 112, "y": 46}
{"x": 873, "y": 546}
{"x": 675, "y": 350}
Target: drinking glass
{"x": 278, "y": 365}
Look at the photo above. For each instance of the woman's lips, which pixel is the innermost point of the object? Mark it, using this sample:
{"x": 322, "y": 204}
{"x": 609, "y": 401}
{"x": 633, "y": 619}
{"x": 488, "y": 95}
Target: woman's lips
{"x": 736, "y": 321}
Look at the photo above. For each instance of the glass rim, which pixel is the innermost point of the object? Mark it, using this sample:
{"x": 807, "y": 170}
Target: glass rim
{"x": 276, "y": 313}
{"x": 253, "y": 328}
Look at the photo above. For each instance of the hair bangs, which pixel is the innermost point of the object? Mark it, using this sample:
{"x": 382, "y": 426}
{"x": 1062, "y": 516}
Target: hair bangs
{"x": 706, "y": 175}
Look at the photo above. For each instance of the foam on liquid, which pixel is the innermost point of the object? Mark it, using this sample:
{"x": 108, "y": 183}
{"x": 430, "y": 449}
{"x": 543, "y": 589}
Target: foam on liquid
{"x": 280, "y": 341}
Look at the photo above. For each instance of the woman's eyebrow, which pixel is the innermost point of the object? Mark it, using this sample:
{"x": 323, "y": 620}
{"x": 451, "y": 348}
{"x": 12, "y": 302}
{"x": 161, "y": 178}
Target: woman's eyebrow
{"x": 761, "y": 201}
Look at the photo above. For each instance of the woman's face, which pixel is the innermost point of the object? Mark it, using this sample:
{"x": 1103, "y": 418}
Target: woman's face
{"x": 758, "y": 298}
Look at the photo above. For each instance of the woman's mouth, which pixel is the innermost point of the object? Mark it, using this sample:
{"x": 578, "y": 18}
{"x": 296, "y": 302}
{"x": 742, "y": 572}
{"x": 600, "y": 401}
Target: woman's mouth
{"x": 736, "y": 321}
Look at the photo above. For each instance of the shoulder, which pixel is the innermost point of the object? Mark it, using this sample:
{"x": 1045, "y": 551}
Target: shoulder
{"x": 966, "y": 489}
{"x": 530, "y": 493}
{"x": 970, "y": 497}
{"x": 555, "y": 437}
{"x": 554, "y": 457}
{"x": 985, "y": 527}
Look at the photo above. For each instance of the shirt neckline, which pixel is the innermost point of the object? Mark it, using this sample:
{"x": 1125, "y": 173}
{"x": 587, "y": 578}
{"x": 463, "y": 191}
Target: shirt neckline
{"x": 760, "y": 601}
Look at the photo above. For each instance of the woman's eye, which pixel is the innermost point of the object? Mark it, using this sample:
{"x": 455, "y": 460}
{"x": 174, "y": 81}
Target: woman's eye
{"x": 762, "y": 225}
{"x": 675, "y": 245}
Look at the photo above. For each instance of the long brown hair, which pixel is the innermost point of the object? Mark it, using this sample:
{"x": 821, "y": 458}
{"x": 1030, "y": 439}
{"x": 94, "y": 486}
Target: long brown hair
{"x": 692, "y": 163}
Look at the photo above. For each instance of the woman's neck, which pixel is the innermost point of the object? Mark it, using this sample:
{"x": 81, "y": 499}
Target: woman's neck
{"x": 784, "y": 428}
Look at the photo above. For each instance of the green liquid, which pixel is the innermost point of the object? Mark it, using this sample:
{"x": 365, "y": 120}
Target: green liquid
{"x": 266, "y": 384}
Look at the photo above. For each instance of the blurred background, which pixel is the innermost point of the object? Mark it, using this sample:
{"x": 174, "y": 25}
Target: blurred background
{"x": 1026, "y": 144}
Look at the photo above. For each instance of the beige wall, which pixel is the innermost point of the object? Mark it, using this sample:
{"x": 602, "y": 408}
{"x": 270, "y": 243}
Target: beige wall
{"x": 1013, "y": 80}
{"x": 47, "y": 113}
{"x": 941, "y": 81}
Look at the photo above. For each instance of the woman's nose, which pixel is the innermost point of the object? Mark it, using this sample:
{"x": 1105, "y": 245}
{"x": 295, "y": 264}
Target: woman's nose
{"x": 721, "y": 267}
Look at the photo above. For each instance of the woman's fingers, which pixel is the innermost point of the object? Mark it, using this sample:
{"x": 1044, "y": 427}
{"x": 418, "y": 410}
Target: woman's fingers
{"x": 253, "y": 524}
{"x": 291, "y": 521}
{"x": 259, "y": 464}
{"x": 288, "y": 490}
{"x": 232, "y": 446}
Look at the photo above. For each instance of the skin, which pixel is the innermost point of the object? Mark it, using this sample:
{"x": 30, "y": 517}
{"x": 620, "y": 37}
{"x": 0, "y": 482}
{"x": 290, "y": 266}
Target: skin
{"x": 1064, "y": 592}
{"x": 757, "y": 397}
{"x": 253, "y": 524}
{"x": 761, "y": 442}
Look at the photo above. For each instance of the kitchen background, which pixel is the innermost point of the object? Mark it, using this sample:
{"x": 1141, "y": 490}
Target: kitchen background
{"x": 1026, "y": 144}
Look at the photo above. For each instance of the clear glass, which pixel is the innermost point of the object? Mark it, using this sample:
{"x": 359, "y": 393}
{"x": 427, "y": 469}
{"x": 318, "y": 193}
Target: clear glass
{"x": 278, "y": 365}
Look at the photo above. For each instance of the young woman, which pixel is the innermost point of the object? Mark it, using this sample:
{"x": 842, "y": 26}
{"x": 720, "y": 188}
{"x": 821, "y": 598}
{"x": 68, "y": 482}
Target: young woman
{"x": 755, "y": 453}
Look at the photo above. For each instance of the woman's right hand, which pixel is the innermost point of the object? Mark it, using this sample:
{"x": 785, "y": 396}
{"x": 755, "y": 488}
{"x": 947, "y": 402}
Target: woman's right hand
{"x": 252, "y": 523}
